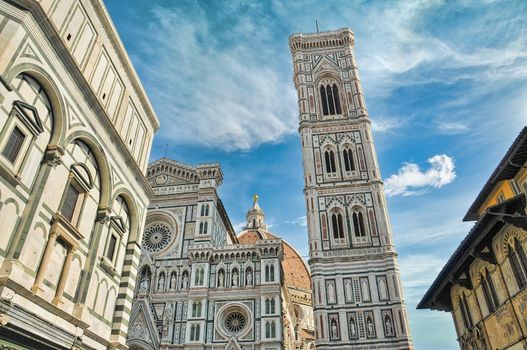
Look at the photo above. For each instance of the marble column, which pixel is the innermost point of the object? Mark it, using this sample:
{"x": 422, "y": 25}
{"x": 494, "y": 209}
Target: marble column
{"x": 64, "y": 275}
{"x": 45, "y": 261}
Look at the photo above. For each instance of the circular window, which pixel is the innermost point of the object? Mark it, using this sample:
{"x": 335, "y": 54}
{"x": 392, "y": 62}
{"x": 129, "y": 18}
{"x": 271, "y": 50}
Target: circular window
{"x": 157, "y": 237}
{"x": 235, "y": 322}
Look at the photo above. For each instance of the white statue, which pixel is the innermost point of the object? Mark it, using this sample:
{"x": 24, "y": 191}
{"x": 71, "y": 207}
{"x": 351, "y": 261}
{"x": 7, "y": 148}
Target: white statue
{"x": 144, "y": 283}
{"x": 353, "y": 330}
{"x": 185, "y": 282}
{"x": 173, "y": 281}
{"x": 389, "y": 327}
{"x": 249, "y": 278}
{"x": 161, "y": 282}
{"x": 370, "y": 327}
{"x": 221, "y": 279}
{"x": 235, "y": 278}
{"x": 334, "y": 331}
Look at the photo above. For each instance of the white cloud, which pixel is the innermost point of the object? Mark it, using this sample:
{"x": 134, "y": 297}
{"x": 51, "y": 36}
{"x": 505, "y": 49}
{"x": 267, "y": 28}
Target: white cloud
{"x": 238, "y": 227}
{"x": 451, "y": 128}
{"x": 411, "y": 180}
{"x": 385, "y": 124}
{"x": 300, "y": 221}
{"x": 418, "y": 271}
{"x": 210, "y": 87}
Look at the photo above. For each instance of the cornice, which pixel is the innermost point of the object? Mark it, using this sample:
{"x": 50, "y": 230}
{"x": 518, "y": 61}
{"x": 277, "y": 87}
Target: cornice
{"x": 321, "y": 40}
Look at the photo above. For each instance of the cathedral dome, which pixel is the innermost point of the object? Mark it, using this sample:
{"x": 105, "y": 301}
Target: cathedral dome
{"x": 295, "y": 271}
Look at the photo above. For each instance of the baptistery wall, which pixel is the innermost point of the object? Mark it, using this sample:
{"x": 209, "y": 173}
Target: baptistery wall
{"x": 76, "y": 129}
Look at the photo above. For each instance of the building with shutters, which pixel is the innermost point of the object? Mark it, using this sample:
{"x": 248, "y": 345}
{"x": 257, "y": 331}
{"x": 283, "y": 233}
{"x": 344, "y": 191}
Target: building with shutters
{"x": 201, "y": 286}
{"x": 484, "y": 283}
{"x": 76, "y": 129}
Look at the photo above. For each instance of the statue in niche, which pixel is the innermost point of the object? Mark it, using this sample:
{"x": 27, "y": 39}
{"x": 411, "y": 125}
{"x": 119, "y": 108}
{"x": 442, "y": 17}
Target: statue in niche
{"x": 161, "y": 282}
{"x": 145, "y": 281}
{"x": 389, "y": 326}
{"x": 173, "y": 281}
{"x": 235, "y": 278}
{"x": 370, "y": 327}
{"x": 249, "y": 278}
{"x": 184, "y": 283}
{"x": 353, "y": 328}
{"x": 221, "y": 279}
{"x": 334, "y": 329}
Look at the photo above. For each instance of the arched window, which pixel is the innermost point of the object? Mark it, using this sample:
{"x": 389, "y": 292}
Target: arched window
{"x": 329, "y": 95}
{"x": 196, "y": 309}
{"x": 273, "y": 329}
{"x": 269, "y": 306}
{"x": 201, "y": 276}
{"x": 358, "y": 224}
{"x": 202, "y": 210}
{"x": 329, "y": 157}
{"x": 489, "y": 292}
{"x": 200, "y": 228}
{"x": 349, "y": 163}
{"x": 337, "y": 225}
{"x": 518, "y": 262}
{"x": 465, "y": 312}
{"x": 29, "y": 119}
{"x": 196, "y": 277}
{"x": 206, "y": 210}
{"x": 269, "y": 273}
{"x": 194, "y": 332}
{"x": 205, "y": 228}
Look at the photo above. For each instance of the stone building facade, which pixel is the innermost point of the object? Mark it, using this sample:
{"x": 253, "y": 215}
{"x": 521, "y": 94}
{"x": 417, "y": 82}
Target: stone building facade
{"x": 76, "y": 130}
{"x": 202, "y": 287}
{"x": 484, "y": 283}
{"x": 357, "y": 295}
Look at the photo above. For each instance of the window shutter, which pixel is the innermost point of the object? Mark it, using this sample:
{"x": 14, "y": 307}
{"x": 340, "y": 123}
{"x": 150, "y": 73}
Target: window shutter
{"x": 13, "y": 145}
{"x": 70, "y": 202}
{"x": 111, "y": 247}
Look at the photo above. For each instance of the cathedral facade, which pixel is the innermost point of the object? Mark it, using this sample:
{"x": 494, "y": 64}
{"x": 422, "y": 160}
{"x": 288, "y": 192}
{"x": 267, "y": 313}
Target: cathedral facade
{"x": 76, "y": 130}
{"x": 357, "y": 294}
{"x": 201, "y": 286}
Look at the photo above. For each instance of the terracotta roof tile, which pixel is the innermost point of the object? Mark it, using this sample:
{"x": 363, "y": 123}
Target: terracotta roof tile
{"x": 294, "y": 268}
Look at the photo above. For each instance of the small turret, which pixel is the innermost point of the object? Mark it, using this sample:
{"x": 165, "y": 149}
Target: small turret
{"x": 255, "y": 216}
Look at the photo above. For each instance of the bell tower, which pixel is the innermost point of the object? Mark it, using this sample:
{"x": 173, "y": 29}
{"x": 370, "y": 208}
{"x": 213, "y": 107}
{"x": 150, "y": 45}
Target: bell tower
{"x": 357, "y": 294}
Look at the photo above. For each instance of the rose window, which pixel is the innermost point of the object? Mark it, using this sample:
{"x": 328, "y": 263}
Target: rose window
{"x": 157, "y": 237}
{"x": 235, "y": 322}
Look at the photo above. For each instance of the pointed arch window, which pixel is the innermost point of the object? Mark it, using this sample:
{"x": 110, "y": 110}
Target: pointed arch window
{"x": 349, "y": 163}
{"x": 518, "y": 261}
{"x": 329, "y": 157}
{"x": 270, "y": 329}
{"x": 269, "y": 273}
{"x": 488, "y": 291}
{"x": 329, "y": 96}
{"x": 337, "y": 225}
{"x": 358, "y": 224}
{"x": 465, "y": 312}
{"x": 195, "y": 332}
{"x": 196, "y": 309}
{"x": 269, "y": 306}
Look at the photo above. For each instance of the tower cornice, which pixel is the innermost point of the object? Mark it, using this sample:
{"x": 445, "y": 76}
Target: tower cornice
{"x": 321, "y": 40}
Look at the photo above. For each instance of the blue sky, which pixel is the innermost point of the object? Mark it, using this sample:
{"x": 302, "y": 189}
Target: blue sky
{"x": 445, "y": 83}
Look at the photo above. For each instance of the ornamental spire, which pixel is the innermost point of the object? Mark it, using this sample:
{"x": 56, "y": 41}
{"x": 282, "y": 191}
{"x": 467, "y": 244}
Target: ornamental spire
{"x": 255, "y": 216}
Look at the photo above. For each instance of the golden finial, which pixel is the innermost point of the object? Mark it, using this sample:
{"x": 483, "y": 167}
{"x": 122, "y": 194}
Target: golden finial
{"x": 255, "y": 197}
